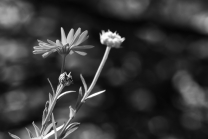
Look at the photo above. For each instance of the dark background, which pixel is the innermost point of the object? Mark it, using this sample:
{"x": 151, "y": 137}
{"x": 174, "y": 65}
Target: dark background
{"x": 156, "y": 84}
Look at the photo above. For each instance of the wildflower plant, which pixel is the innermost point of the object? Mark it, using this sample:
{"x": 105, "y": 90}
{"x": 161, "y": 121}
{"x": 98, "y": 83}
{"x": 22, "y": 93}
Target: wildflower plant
{"x": 68, "y": 45}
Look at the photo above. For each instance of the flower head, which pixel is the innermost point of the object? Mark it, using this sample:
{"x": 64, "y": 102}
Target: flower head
{"x": 69, "y": 44}
{"x": 111, "y": 39}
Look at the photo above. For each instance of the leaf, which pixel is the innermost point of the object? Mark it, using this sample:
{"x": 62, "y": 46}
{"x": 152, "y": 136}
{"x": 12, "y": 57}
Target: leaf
{"x": 71, "y": 112}
{"x": 30, "y": 133}
{"x": 37, "y": 130}
{"x": 79, "y": 98}
{"x": 81, "y": 53}
{"x": 95, "y": 94}
{"x": 48, "y": 128}
{"x": 83, "y": 82}
{"x": 70, "y": 131}
{"x": 44, "y": 115}
{"x": 51, "y": 86}
{"x": 72, "y": 125}
{"x": 67, "y": 92}
{"x": 50, "y": 99}
{"x": 52, "y": 132}
{"x": 54, "y": 126}
{"x": 14, "y": 136}
{"x": 47, "y": 106}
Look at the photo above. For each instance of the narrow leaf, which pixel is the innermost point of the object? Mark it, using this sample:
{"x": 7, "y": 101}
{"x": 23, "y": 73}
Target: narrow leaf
{"x": 79, "y": 97}
{"x": 45, "y": 112}
{"x": 71, "y": 112}
{"x": 83, "y": 82}
{"x": 37, "y": 130}
{"x": 95, "y": 94}
{"x": 50, "y": 99}
{"x": 52, "y": 132}
{"x": 81, "y": 53}
{"x": 48, "y": 128}
{"x": 51, "y": 86}
{"x": 47, "y": 105}
{"x": 14, "y": 136}
{"x": 72, "y": 125}
{"x": 54, "y": 126}
{"x": 70, "y": 131}
{"x": 67, "y": 92}
{"x": 30, "y": 133}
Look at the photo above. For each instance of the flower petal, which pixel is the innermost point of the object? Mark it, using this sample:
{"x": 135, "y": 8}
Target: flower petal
{"x": 71, "y": 52}
{"x": 40, "y": 48}
{"x": 81, "y": 53}
{"x": 83, "y": 47}
{"x": 46, "y": 45}
{"x": 63, "y": 36}
{"x": 47, "y": 54}
{"x": 76, "y": 35}
{"x": 81, "y": 38}
{"x": 70, "y": 36}
{"x": 39, "y": 52}
{"x": 58, "y": 43}
{"x": 51, "y": 42}
{"x": 41, "y": 41}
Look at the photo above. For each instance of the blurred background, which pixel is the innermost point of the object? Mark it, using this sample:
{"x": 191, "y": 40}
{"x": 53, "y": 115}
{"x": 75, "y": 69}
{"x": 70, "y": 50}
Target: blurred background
{"x": 156, "y": 84}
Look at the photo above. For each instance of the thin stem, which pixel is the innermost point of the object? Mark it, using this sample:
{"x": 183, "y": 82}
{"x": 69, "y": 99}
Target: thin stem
{"x": 63, "y": 63}
{"x": 97, "y": 73}
{"x": 51, "y": 107}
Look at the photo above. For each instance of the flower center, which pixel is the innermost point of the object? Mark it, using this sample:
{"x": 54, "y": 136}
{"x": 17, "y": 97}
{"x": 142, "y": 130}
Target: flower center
{"x": 112, "y": 36}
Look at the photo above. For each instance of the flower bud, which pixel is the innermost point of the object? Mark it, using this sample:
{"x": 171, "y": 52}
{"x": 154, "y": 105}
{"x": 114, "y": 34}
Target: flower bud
{"x": 65, "y": 79}
{"x": 111, "y": 39}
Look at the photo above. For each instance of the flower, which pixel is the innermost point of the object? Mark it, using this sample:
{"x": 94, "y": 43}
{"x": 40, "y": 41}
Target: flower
{"x": 69, "y": 44}
{"x": 111, "y": 39}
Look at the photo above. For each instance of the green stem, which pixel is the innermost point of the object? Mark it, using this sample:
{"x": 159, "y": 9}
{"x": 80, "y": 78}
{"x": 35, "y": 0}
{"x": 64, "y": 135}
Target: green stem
{"x": 63, "y": 63}
{"x": 107, "y": 51}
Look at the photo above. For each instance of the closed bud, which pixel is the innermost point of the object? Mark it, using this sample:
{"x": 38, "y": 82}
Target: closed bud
{"x": 65, "y": 79}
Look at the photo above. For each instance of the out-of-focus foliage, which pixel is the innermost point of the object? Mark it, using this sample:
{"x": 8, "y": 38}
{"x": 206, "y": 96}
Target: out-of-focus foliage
{"x": 156, "y": 84}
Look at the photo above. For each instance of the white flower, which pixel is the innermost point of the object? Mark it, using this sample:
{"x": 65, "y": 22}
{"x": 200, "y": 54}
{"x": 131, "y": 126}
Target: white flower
{"x": 111, "y": 39}
{"x": 69, "y": 44}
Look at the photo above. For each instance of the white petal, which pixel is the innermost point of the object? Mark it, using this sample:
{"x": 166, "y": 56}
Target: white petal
{"x": 70, "y": 37}
{"x": 81, "y": 53}
{"x": 63, "y": 37}
{"x": 81, "y": 38}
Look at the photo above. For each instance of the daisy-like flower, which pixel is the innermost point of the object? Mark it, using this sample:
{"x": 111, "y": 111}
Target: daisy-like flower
{"x": 111, "y": 39}
{"x": 67, "y": 45}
